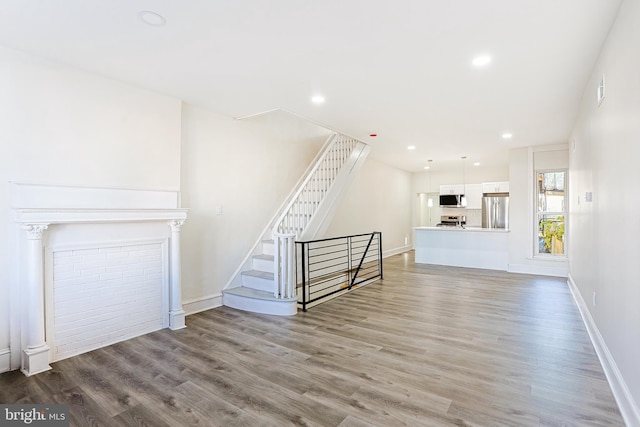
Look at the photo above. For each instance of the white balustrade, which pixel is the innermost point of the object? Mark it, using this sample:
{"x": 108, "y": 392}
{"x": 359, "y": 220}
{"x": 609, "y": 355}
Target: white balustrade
{"x": 303, "y": 205}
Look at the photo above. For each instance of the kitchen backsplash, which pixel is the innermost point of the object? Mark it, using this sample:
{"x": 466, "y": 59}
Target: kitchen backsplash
{"x": 474, "y": 216}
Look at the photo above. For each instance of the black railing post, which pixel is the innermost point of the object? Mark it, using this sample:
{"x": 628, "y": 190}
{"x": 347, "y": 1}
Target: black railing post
{"x": 304, "y": 278}
{"x": 380, "y": 253}
{"x": 349, "y": 259}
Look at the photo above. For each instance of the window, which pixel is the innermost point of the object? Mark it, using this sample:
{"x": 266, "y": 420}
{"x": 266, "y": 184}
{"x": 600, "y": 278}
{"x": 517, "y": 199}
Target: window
{"x": 550, "y": 212}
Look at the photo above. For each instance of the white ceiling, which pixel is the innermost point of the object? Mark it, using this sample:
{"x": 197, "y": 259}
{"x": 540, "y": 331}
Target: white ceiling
{"x": 400, "y": 69}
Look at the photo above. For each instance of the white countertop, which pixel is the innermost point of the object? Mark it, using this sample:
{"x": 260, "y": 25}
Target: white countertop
{"x": 466, "y": 229}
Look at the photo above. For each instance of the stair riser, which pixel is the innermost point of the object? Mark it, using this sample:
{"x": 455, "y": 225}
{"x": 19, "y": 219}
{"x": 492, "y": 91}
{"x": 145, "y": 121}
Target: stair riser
{"x": 262, "y": 265}
{"x": 257, "y": 283}
{"x": 267, "y": 248}
{"x": 279, "y": 308}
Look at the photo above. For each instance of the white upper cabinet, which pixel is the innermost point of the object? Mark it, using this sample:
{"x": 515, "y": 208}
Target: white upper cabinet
{"x": 495, "y": 187}
{"x": 473, "y": 193}
{"x": 452, "y": 189}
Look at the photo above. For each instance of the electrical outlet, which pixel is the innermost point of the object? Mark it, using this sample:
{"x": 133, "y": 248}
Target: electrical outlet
{"x": 219, "y": 210}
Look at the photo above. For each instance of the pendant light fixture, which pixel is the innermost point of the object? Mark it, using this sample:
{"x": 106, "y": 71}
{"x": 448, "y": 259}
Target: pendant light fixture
{"x": 463, "y": 199}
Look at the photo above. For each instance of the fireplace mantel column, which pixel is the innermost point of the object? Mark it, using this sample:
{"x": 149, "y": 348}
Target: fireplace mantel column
{"x": 176, "y": 313}
{"x": 35, "y": 351}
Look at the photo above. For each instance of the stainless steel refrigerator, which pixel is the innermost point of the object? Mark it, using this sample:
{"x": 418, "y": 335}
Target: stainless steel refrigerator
{"x": 495, "y": 210}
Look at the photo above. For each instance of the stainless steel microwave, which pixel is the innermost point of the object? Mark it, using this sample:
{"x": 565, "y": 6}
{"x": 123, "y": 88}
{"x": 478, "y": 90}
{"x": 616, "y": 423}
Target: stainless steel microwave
{"x": 451, "y": 200}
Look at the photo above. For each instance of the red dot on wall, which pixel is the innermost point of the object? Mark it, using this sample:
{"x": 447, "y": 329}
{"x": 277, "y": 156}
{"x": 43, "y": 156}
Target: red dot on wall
{"x": 373, "y": 135}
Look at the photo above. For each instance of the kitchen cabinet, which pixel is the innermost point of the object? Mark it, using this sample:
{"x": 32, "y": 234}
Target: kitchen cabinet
{"x": 495, "y": 187}
{"x": 452, "y": 189}
{"x": 462, "y": 247}
{"x": 473, "y": 193}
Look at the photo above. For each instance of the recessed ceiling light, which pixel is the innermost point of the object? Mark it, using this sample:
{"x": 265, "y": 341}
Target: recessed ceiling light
{"x": 152, "y": 18}
{"x": 427, "y": 167}
{"x": 318, "y": 99}
{"x": 411, "y": 147}
{"x": 476, "y": 164}
{"x": 507, "y": 135}
{"x": 481, "y": 61}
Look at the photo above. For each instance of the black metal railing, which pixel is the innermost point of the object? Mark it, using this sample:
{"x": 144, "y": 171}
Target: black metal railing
{"x": 327, "y": 267}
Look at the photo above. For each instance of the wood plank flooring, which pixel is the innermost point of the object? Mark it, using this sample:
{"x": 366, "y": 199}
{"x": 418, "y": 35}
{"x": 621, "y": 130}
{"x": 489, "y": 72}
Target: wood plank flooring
{"x": 427, "y": 346}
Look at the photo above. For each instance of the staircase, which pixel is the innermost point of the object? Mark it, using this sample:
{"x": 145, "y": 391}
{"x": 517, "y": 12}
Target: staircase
{"x": 265, "y": 281}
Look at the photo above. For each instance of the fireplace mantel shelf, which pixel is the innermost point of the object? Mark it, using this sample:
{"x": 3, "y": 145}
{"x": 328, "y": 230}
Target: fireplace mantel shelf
{"x": 68, "y": 216}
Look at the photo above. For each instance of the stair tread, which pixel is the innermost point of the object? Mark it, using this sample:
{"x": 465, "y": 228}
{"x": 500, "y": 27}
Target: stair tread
{"x": 258, "y": 273}
{"x": 255, "y": 294}
{"x": 265, "y": 257}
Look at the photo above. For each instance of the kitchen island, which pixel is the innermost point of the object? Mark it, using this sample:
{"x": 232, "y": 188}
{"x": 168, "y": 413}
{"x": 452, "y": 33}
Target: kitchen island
{"x": 462, "y": 247}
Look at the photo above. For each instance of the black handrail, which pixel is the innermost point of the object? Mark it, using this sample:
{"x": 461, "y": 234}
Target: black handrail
{"x": 326, "y": 266}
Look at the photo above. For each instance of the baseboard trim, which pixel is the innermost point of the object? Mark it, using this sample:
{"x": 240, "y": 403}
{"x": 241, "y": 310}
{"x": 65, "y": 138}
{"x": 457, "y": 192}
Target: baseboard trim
{"x": 537, "y": 270}
{"x": 5, "y": 360}
{"x": 396, "y": 251}
{"x": 626, "y": 403}
{"x": 202, "y": 304}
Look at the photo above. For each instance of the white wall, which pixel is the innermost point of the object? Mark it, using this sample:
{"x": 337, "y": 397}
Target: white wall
{"x": 67, "y": 127}
{"x": 379, "y": 199}
{"x": 247, "y": 168}
{"x": 605, "y": 232}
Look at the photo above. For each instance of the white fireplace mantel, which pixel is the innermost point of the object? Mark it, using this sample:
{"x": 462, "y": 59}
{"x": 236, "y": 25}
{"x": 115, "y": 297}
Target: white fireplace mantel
{"x": 36, "y": 221}
{"x": 70, "y": 216}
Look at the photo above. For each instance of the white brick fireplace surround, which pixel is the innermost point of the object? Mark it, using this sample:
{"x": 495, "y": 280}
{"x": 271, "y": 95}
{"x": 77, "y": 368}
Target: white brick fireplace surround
{"x": 96, "y": 266}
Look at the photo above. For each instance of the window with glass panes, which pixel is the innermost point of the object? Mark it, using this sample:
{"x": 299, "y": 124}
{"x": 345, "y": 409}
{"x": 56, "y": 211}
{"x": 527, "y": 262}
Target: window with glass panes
{"x": 550, "y": 212}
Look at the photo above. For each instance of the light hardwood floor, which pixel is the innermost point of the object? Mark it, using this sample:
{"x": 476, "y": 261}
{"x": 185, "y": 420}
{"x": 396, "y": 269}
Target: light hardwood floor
{"x": 427, "y": 346}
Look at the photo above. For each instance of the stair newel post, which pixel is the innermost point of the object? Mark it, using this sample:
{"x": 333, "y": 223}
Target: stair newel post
{"x": 276, "y": 265}
{"x": 283, "y": 265}
{"x": 289, "y": 276}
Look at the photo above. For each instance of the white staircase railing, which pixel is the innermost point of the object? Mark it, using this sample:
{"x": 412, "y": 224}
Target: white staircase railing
{"x": 304, "y": 203}
{"x": 336, "y": 163}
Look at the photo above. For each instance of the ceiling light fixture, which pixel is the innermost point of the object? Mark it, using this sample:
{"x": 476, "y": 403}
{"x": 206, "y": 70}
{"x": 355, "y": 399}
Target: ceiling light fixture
{"x": 152, "y": 18}
{"x": 318, "y": 99}
{"x": 476, "y": 164}
{"x": 481, "y": 61}
{"x": 507, "y": 135}
{"x": 411, "y": 147}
